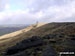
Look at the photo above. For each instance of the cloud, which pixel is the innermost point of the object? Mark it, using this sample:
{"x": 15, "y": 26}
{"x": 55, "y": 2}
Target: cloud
{"x": 3, "y": 4}
{"x": 7, "y": 6}
{"x": 25, "y": 11}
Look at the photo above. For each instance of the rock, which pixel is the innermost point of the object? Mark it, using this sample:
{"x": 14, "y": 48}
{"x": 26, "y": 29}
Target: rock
{"x": 49, "y": 51}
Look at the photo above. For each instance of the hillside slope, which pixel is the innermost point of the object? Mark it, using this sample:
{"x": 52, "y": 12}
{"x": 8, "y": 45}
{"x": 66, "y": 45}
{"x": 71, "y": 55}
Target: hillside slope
{"x": 20, "y": 31}
{"x": 7, "y": 39}
{"x": 61, "y": 36}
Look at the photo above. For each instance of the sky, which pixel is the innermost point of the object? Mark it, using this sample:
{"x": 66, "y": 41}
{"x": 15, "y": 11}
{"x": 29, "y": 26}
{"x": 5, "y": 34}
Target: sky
{"x": 30, "y": 11}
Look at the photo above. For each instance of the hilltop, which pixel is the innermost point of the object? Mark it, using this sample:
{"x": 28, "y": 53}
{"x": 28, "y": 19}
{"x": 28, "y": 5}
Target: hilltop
{"x": 44, "y": 36}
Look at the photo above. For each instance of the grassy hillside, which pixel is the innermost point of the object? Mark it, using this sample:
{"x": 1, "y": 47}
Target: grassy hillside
{"x": 6, "y": 40}
{"x": 61, "y": 32}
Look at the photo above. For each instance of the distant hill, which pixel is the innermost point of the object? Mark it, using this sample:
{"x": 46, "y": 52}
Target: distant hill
{"x": 5, "y": 29}
{"x": 46, "y": 36}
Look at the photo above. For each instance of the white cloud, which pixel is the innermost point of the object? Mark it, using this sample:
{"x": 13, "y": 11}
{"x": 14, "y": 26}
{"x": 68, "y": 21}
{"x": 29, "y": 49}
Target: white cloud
{"x": 7, "y": 6}
{"x": 41, "y": 10}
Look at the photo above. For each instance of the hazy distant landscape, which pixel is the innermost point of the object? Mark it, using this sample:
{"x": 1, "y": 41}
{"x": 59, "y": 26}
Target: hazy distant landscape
{"x": 5, "y": 29}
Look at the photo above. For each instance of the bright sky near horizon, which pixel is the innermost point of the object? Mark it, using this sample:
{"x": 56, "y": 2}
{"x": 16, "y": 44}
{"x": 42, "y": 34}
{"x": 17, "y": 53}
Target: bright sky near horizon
{"x": 30, "y": 11}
